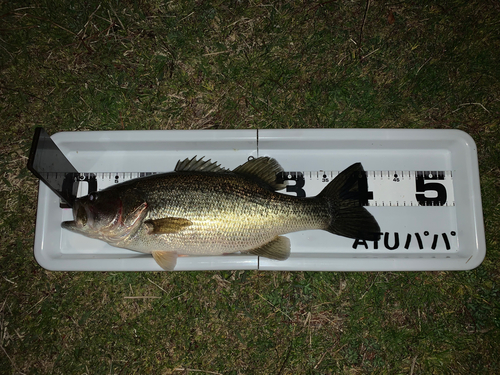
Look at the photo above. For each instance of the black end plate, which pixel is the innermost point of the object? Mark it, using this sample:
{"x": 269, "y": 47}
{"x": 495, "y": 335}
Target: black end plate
{"x": 48, "y": 163}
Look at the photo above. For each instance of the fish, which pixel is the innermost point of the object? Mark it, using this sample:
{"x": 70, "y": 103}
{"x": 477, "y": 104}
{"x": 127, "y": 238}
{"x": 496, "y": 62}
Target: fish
{"x": 204, "y": 209}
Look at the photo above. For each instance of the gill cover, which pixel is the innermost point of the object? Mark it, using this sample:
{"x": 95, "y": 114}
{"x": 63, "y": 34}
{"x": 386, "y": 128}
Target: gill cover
{"x": 108, "y": 215}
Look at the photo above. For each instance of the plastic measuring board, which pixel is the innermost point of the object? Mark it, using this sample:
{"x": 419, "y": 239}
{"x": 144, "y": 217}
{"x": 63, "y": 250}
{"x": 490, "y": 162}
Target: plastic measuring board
{"x": 424, "y": 193}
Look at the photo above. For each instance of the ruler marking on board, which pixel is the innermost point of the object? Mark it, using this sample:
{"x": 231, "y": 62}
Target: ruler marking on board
{"x": 384, "y": 189}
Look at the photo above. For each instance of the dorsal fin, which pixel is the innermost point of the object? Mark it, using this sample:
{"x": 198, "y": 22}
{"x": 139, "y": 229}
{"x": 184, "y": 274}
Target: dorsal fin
{"x": 198, "y": 165}
{"x": 263, "y": 168}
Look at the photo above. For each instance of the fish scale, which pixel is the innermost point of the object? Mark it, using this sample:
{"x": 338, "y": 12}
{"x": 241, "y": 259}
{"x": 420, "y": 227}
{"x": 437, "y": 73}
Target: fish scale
{"x": 227, "y": 215}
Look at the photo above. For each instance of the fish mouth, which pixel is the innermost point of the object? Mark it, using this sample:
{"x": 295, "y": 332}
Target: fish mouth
{"x": 82, "y": 217}
{"x": 70, "y": 225}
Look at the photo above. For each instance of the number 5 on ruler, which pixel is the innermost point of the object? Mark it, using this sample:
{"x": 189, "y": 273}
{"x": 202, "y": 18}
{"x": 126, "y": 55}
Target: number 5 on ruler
{"x": 422, "y": 187}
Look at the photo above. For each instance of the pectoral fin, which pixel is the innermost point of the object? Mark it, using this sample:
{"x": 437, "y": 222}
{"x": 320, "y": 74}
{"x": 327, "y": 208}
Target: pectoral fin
{"x": 167, "y": 225}
{"x": 278, "y": 249}
{"x": 165, "y": 259}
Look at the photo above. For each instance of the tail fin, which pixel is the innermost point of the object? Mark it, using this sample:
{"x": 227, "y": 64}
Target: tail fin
{"x": 349, "y": 217}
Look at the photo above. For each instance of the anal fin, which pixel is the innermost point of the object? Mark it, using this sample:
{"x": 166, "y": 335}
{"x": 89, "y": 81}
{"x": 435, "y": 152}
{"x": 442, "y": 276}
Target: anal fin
{"x": 165, "y": 259}
{"x": 278, "y": 249}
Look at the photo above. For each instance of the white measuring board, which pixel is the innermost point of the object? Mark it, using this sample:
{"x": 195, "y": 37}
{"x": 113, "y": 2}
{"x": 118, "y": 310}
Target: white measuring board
{"x": 423, "y": 189}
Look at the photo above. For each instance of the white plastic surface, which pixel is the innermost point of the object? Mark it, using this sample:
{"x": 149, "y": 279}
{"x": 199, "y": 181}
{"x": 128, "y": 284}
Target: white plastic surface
{"x": 296, "y": 150}
{"x": 391, "y": 149}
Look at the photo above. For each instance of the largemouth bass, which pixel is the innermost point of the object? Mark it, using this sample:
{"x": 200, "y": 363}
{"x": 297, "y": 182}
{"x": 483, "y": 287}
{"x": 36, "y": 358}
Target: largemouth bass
{"x": 203, "y": 209}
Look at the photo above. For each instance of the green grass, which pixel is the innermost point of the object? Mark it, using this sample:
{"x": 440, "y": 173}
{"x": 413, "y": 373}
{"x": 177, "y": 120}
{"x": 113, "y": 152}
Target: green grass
{"x": 199, "y": 65}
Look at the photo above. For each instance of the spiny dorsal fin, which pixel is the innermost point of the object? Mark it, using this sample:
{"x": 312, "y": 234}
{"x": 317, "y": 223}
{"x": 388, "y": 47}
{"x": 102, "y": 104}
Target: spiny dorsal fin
{"x": 198, "y": 165}
{"x": 167, "y": 225}
{"x": 278, "y": 249}
{"x": 263, "y": 168}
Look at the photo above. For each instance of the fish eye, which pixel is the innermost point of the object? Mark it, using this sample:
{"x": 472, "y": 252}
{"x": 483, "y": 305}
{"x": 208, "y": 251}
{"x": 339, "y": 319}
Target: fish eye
{"x": 92, "y": 197}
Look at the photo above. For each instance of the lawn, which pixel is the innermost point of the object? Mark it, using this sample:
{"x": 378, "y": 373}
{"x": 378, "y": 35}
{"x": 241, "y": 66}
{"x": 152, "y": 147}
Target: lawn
{"x": 94, "y": 65}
